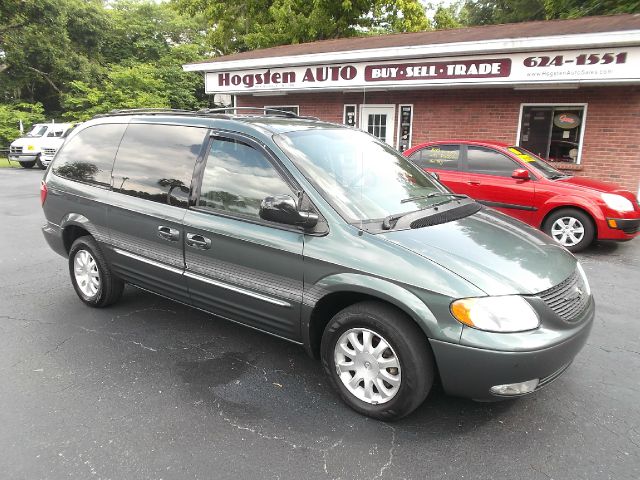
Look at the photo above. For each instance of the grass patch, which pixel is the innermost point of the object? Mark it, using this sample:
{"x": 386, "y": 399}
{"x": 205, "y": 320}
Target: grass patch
{"x": 4, "y": 163}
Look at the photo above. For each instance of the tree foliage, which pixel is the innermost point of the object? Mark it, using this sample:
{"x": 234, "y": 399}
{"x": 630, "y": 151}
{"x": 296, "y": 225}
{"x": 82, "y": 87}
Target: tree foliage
{"x": 249, "y": 24}
{"x": 12, "y": 114}
{"x": 490, "y": 12}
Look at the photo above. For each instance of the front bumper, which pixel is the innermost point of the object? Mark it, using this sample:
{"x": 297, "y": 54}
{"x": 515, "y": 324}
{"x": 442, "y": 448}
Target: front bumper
{"x": 46, "y": 159}
{"x": 470, "y": 372}
{"x": 628, "y": 226}
{"x": 23, "y": 157}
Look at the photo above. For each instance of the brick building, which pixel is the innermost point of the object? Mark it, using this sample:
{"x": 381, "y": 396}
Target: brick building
{"x": 567, "y": 90}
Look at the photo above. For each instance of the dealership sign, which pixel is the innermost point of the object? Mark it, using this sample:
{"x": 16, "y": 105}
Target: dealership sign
{"x": 610, "y": 65}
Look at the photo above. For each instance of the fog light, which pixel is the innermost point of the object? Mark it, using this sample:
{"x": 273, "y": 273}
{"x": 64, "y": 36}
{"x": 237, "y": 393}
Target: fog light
{"x": 521, "y": 388}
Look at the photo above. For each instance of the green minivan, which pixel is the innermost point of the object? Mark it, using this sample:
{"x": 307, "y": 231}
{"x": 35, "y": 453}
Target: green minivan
{"x": 326, "y": 237}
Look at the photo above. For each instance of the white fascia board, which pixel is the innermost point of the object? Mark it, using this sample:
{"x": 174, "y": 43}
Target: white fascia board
{"x": 555, "y": 42}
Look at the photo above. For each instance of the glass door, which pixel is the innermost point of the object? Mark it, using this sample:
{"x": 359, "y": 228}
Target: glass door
{"x": 379, "y": 121}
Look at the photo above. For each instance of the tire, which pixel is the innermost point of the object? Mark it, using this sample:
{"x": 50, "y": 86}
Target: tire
{"x": 39, "y": 163}
{"x": 87, "y": 257}
{"x": 27, "y": 164}
{"x": 408, "y": 348}
{"x": 571, "y": 228}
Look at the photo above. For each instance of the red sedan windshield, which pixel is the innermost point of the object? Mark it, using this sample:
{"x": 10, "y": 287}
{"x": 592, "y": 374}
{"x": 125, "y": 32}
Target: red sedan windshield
{"x": 536, "y": 162}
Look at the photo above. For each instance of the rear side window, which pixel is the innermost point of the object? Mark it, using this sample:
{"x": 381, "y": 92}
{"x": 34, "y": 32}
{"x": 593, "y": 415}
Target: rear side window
{"x": 88, "y": 156}
{"x": 154, "y": 160}
{"x": 443, "y": 157}
{"x": 488, "y": 161}
{"x": 238, "y": 177}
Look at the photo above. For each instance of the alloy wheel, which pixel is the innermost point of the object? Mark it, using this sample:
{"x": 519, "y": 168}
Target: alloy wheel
{"x": 567, "y": 231}
{"x": 86, "y": 273}
{"x": 367, "y": 366}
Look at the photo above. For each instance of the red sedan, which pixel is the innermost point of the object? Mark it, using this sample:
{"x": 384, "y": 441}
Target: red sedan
{"x": 573, "y": 210}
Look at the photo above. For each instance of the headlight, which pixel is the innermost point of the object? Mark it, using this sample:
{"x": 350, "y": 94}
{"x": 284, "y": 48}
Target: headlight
{"x": 617, "y": 202}
{"x": 496, "y": 314}
{"x": 584, "y": 279}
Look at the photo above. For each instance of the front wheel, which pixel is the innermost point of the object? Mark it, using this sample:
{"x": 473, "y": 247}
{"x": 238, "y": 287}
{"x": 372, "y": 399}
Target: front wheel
{"x": 27, "y": 164}
{"x": 571, "y": 228}
{"x": 39, "y": 163}
{"x": 378, "y": 360}
{"x": 91, "y": 275}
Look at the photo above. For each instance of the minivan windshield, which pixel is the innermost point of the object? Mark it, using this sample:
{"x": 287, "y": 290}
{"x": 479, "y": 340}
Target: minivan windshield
{"x": 536, "y": 162}
{"x": 37, "y": 131}
{"x": 361, "y": 177}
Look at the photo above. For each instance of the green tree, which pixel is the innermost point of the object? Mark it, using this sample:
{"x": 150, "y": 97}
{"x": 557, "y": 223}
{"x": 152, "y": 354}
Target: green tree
{"x": 12, "y": 114}
{"x": 47, "y": 43}
{"x": 447, "y": 16}
{"x": 249, "y": 24}
{"x": 488, "y": 12}
{"x": 582, "y": 8}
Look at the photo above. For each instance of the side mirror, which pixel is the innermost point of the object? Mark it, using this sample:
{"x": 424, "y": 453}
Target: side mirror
{"x": 435, "y": 175}
{"x": 521, "y": 174}
{"x": 283, "y": 209}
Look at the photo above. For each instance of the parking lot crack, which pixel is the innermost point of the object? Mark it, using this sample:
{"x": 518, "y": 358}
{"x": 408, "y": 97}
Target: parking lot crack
{"x": 392, "y": 448}
{"x": 144, "y": 346}
{"x": 57, "y": 346}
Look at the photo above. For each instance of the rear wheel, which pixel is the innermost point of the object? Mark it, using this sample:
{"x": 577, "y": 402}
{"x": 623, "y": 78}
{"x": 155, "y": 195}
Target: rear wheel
{"x": 27, "y": 164}
{"x": 571, "y": 228}
{"x": 91, "y": 275}
{"x": 378, "y": 360}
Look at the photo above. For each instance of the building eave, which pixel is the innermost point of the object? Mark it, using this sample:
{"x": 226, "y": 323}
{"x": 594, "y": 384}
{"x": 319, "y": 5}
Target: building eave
{"x": 508, "y": 45}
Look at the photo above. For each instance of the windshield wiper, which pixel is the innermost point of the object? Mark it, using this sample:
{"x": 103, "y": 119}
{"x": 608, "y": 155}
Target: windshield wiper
{"x": 393, "y": 218}
{"x": 433, "y": 195}
{"x": 555, "y": 176}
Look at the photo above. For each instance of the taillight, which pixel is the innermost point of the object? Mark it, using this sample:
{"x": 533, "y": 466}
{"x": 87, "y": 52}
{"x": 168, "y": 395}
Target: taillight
{"x": 43, "y": 192}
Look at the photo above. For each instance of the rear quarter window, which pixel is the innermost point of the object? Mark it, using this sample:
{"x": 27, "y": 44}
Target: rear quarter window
{"x": 88, "y": 156}
{"x": 443, "y": 157}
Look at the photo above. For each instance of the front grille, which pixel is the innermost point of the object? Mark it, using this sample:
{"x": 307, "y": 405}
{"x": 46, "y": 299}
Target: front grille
{"x": 49, "y": 151}
{"x": 630, "y": 228}
{"x": 13, "y": 149}
{"x": 447, "y": 216}
{"x": 568, "y": 299}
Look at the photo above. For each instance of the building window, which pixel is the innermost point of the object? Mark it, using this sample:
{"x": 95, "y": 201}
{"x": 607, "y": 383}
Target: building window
{"x": 349, "y": 116}
{"x": 553, "y": 132}
{"x": 275, "y": 110}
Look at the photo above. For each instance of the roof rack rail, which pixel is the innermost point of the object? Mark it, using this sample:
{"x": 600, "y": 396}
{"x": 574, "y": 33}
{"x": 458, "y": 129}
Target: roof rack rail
{"x": 133, "y": 111}
{"x": 272, "y": 111}
{"x": 226, "y": 112}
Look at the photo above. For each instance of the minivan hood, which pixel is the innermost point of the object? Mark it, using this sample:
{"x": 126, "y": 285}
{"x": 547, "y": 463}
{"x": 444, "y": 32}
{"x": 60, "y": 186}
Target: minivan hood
{"x": 494, "y": 252}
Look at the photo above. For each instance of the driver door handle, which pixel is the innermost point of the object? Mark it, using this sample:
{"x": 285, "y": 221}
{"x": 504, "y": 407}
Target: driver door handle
{"x": 198, "y": 241}
{"x": 473, "y": 182}
{"x": 168, "y": 233}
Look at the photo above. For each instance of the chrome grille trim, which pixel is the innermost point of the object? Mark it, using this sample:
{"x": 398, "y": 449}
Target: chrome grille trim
{"x": 568, "y": 299}
{"x": 49, "y": 151}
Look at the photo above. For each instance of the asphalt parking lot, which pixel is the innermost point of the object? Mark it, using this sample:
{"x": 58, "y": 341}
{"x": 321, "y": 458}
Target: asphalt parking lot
{"x": 152, "y": 389}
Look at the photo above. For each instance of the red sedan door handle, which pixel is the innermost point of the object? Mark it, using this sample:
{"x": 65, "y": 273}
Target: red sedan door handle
{"x": 473, "y": 182}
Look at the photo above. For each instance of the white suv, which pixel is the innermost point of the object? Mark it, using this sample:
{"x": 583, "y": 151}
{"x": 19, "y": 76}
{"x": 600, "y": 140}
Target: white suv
{"x": 27, "y": 150}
